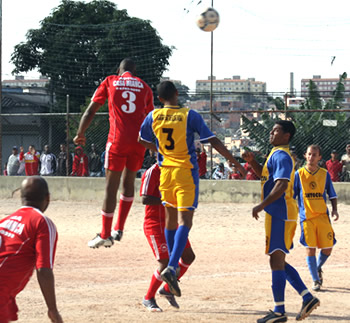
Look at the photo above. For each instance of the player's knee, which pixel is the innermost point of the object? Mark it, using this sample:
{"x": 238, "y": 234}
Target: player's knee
{"x": 188, "y": 256}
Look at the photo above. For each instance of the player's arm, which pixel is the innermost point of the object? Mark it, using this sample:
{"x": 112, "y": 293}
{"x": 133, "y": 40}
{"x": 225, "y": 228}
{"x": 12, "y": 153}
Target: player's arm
{"x": 277, "y": 191}
{"x": 85, "y": 122}
{"x": 249, "y": 157}
{"x": 151, "y": 200}
{"x": 147, "y": 145}
{"x": 335, "y": 214}
{"x": 222, "y": 150}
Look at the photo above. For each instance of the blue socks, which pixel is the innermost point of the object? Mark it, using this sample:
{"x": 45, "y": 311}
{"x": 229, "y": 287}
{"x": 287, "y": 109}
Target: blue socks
{"x": 311, "y": 262}
{"x": 322, "y": 258}
{"x": 278, "y": 287}
{"x": 180, "y": 241}
{"x": 294, "y": 279}
{"x": 169, "y": 237}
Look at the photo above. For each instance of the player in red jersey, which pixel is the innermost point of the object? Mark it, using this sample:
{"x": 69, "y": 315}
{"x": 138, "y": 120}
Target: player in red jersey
{"x": 27, "y": 241}
{"x": 153, "y": 227}
{"x": 129, "y": 101}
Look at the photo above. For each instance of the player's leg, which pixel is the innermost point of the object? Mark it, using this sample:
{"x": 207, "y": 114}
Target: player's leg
{"x": 125, "y": 202}
{"x": 108, "y": 208}
{"x": 312, "y": 265}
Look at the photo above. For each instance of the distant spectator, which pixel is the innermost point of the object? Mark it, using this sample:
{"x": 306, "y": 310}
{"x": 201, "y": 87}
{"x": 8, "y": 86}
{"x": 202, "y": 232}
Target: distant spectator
{"x": 62, "y": 162}
{"x": 235, "y": 174}
{"x": 13, "y": 162}
{"x": 334, "y": 167}
{"x": 345, "y": 159}
{"x": 103, "y": 158}
{"x": 251, "y": 176}
{"x": 48, "y": 162}
{"x": 80, "y": 163}
{"x": 5, "y": 170}
{"x": 150, "y": 159}
{"x": 202, "y": 163}
{"x": 297, "y": 161}
{"x": 94, "y": 162}
{"x": 31, "y": 160}
{"x": 221, "y": 172}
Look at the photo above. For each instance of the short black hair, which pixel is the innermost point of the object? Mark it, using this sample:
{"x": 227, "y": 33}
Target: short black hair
{"x": 316, "y": 147}
{"x": 166, "y": 90}
{"x": 287, "y": 127}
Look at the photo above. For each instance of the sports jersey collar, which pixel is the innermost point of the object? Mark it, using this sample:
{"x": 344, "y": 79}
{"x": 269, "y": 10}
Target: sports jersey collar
{"x": 312, "y": 173}
{"x": 172, "y": 106}
{"x": 281, "y": 146}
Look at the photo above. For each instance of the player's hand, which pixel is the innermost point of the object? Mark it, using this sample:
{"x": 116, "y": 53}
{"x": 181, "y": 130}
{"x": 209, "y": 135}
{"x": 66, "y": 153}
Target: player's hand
{"x": 54, "y": 316}
{"x": 248, "y": 156}
{"x": 255, "y": 212}
{"x": 335, "y": 215}
{"x": 79, "y": 140}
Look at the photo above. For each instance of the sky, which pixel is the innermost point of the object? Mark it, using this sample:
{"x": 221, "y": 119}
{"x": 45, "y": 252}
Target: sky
{"x": 266, "y": 40}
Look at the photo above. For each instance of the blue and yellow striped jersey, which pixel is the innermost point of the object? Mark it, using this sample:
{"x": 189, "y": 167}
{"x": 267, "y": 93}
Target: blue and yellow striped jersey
{"x": 174, "y": 129}
{"x": 311, "y": 189}
{"x": 279, "y": 165}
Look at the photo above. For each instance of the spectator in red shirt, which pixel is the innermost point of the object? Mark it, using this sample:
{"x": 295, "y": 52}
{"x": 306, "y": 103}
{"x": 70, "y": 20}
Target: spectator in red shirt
{"x": 80, "y": 163}
{"x": 31, "y": 160}
{"x": 334, "y": 167}
{"x": 250, "y": 173}
{"x": 28, "y": 240}
{"x": 202, "y": 163}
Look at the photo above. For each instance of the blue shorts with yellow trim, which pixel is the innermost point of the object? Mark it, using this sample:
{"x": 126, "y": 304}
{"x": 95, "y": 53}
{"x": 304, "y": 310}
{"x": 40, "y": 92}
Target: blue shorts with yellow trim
{"x": 279, "y": 234}
{"x": 179, "y": 187}
{"x": 317, "y": 232}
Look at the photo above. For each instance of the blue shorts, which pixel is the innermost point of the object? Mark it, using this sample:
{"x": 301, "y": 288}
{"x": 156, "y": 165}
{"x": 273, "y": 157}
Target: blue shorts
{"x": 279, "y": 234}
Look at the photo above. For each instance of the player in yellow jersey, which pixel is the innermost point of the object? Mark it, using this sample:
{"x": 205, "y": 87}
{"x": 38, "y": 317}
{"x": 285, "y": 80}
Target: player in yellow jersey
{"x": 311, "y": 186}
{"x": 174, "y": 129}
{"x": 277, "y": 178}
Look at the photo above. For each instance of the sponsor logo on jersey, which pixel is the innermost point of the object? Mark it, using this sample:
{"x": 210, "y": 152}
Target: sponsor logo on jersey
{"x": 313, "y": 185}
{"x": 174, "y": 117}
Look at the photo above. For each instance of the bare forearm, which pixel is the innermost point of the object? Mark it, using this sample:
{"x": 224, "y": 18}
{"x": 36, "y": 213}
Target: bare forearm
{"x": 277, "y": 191}
{"x": 256, "y": 167}
{"x": 334, "y": 204}
{"x": 47, "y": 285}
{"x": 88, "y": 117}
{"x": 148, "y": 145}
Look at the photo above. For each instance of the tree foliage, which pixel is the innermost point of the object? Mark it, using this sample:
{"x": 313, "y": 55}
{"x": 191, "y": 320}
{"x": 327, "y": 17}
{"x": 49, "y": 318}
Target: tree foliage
{"x": 312, "y": 127}
{"x": 80, "y": 43}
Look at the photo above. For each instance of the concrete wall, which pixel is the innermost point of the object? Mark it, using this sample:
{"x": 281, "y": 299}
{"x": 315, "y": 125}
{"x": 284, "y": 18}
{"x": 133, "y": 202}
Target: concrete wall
{"x": 88, "y": 188}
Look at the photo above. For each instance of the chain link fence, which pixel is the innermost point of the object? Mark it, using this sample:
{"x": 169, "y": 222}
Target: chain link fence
{"x": 239, "y": 130}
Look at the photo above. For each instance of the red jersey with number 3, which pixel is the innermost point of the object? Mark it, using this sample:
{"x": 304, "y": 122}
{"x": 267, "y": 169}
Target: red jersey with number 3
{"x": 130, "y": 99}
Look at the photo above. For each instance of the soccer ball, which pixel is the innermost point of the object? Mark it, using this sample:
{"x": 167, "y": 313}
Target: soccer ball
{"x": 208, "y": 20}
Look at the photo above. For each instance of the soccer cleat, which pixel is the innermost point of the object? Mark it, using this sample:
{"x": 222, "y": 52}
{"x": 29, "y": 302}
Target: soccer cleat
{"x": 320, "y": 276}
{"x": 273, "y": 317}
{"x": 307, "y": 308}
{"x": 99, "y": 242}
{"x": 317, "y": 286}
{"x": 169, "y": 297}
{"x": 151, "y": 305}
{"x": 117, "y": 234}
{"x": 171, "y": 280}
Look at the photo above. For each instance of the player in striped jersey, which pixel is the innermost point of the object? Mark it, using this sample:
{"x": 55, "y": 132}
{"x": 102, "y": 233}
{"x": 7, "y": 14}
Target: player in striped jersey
{"x": 174, "y": 128}
{"x": 28, "y": 240}
{"x": 311, "y": 186}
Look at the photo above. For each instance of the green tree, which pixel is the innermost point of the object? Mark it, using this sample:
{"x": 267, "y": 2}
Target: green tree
{"x": 311, "y": 126}
{"x": 80, "y": 43}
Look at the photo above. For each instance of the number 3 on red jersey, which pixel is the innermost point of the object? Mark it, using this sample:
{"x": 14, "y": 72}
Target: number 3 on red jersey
{"x": 130, "y": 97}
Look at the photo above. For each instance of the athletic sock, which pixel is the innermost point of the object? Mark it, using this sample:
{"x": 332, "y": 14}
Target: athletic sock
{"x": 294, "y": 279}
{"x": 169, "y": 237}
{"x": 156, "y": 281}
{"x": 107, "y": 220}
{"x": 123, "y": 211}
{"x": 183, "y": 268}
{"x": 278, "y": 287}
{"x": 322, "y": 258}
{"x": 180, "y": 241}
{"x": 311, "y": 262}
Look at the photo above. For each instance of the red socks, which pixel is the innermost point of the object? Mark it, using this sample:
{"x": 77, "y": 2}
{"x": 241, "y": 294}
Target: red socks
{"x": 123, "y": 211}
{"x": 183, "y": 268}
{"x": 156, "y": 281}
{"x": 107, "y": 219}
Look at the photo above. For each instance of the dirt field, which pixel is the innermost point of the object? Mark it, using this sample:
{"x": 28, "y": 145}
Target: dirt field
{"x": 228, "y": 282}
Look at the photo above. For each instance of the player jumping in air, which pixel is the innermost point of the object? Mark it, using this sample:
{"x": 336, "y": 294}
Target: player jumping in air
{"x": 174, "y": 128}
{"x": 129, "y": 101}
{"x": 277, "y": 180}
{"x": 153, "y": 227}
{"x": 311, "y": 185}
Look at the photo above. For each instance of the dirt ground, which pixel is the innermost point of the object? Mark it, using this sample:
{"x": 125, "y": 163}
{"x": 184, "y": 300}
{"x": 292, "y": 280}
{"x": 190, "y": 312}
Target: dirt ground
{"x": 228, "y": 282}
